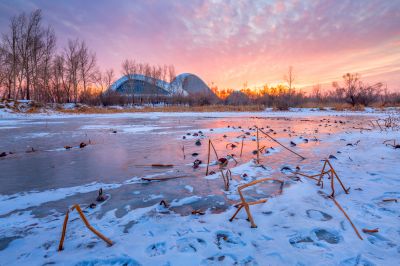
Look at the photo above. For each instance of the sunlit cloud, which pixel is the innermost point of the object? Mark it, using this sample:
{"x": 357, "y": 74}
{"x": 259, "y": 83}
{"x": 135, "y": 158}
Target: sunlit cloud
{"x": 233, "y": 42}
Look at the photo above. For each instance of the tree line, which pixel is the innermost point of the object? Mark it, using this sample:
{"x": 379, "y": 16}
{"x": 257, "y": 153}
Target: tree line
{"x": 352, "y": 91}
{"x": 32, "y": 68}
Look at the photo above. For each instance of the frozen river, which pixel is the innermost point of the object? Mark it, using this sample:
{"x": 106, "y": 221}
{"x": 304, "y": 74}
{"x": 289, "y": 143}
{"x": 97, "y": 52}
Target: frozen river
{"x": 122, "y": 150}
{"x": 40, "y": 179}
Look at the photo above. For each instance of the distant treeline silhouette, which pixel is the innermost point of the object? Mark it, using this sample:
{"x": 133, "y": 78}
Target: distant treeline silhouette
{"x": 31, "y": 68}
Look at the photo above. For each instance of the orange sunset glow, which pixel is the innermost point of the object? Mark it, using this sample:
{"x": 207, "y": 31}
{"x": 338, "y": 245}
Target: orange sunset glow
{"x": 232, "y": 43}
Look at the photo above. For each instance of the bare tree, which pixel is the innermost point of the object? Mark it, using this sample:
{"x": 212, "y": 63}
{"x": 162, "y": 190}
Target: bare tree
{"x": 129, "y": 69}
{"x": 10, "y": 56}
{"x": 105, "y": 80}
{"x": 28, "y": 46}
{"x": 355, "y": 92}
{"x": 87, "y": 65}
{"x": 109, "y": 78}
{"x": 289, "y": 78}
{"x": 60, "y": 89}
{"x": 316, "y": 92}
{"x": 71, "y": 55}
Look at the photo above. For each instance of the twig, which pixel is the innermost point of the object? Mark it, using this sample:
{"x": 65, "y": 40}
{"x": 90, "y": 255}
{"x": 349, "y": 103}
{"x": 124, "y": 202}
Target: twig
{"x": 208, "y": 156}
{"x": 281, "y": 144}
{"x": 258, "y": 147}
{"x": 348, "y": 218}
{"x": 241, "y": 148}
{"x": 162, "y": 165}
{"x": 376, "y": 230}
{"x": 162, "y": 178}
{"x": 87, "y": 224}
{"x": 210, "y": 144}
{"x": 389, "y": 200}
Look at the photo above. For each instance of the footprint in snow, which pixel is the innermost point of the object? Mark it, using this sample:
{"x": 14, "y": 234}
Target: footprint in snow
{"x": 301, "y": 241}
{"x": 113, "y": 262}
{"x": 220, "y": 259}
{"x": 356, "y": 261}
{"x": 225, "y": 238}
{"x": 316, "y": 238}
{"x": 380, "y": 241}
{"x": 156, "y": 249}
{"x": 190, "y": 244}
{"x": 248, "y": 261}
{"x": 329, "y": 236}
{"x": 369, "y": 210}
{"x": 318, "y": 215}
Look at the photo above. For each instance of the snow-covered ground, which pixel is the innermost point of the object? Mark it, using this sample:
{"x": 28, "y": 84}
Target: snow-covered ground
{"x": 298, "y": 227}
{"x": 293, "y": 112}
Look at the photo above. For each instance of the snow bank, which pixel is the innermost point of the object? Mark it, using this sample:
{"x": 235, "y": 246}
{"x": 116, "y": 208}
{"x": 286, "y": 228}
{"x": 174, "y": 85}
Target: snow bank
{"x": 299, "y": 227}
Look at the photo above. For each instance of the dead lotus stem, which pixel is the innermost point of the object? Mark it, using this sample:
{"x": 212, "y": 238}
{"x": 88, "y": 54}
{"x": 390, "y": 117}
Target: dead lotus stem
{"x": 348, "y": 218}
{"x": 261, "y": 149}
{"x": 241, "y": 148}
{"x": 162, "y": 178}
{"x": 64, "y": 230}
{"x": 233, "y": 158}
{"x": 210, "y": 144}
{"x": 334, "y": 174}
{"x": 162, "y": 165}
{"x": 302, "y": 157}
{"x": 208, "y": 156}
{"x": 390, "y": 140}
{"x": 313, "y": 177}
{"x": 258, "y": 147}
{"x": 246, "y": 204}
{"x": 321, "y": 175}
{"x": 215, "y": 151}
{"x": 226, "y": 177}
{"x": 376, "y": 230}
{"x": 87, "y": 224}
{"x": 389, "y": 200}
{"x": 164, "y": 203}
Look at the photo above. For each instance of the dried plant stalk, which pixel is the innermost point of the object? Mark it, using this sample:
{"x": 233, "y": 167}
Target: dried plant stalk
{"x": 258, "y": 148}
{"x": 302, "y": 157}
{"x": 85, "y": 221}
{"x": 348, "y": 218}
{"x": 246, "y": 204}
{"x": 241, "y": 148}
{"x": 210, "y": 145}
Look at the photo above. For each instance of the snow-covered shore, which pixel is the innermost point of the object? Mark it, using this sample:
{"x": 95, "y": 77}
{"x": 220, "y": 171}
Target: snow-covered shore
{"x": 268, "y": 112}
{"x": 298, "y": 227}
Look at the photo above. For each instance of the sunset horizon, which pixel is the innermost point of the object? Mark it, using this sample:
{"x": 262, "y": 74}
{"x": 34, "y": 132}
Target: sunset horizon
{"x": 199, "y": 132}
{"x": 236, "y": 43}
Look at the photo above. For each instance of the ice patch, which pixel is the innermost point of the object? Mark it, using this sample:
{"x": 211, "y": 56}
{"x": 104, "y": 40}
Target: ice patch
{"x": 189, "y": 188}
{"x": 184, "y": 201}
{"x": 123, "y": 128}
{"x": 24, "y": 200}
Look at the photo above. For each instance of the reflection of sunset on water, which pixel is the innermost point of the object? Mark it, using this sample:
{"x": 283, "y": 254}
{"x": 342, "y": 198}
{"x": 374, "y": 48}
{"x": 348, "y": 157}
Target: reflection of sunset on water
{"x": 114, "y": 157}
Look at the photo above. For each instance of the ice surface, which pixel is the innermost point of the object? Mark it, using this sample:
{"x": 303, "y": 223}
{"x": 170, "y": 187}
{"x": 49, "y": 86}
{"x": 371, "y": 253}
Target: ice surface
{"x": 298, "y": 227}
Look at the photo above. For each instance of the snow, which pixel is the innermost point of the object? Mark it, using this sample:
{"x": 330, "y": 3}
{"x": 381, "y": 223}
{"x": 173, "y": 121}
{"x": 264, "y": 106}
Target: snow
{"x": 20, "y": 201}
{"x": 293, "y": 112}
{"x": 298, "y": 227}
{"x": 185, "y": 201}
{"x": 123, "y": 128}
{"x": 189, "y": 188}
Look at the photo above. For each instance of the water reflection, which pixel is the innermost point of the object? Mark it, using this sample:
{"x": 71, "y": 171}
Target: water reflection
{"x": 113, "y": 158}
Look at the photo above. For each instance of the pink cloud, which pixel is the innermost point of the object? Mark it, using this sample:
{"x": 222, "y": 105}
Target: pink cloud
{"x": 230, "y": 42}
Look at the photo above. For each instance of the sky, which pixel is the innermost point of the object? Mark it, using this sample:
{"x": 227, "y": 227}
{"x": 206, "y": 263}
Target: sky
{"x": 230, "y": 43}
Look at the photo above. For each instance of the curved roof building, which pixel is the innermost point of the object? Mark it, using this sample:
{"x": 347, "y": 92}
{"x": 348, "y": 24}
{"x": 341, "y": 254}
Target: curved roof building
{"x": 140, "y": 85}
